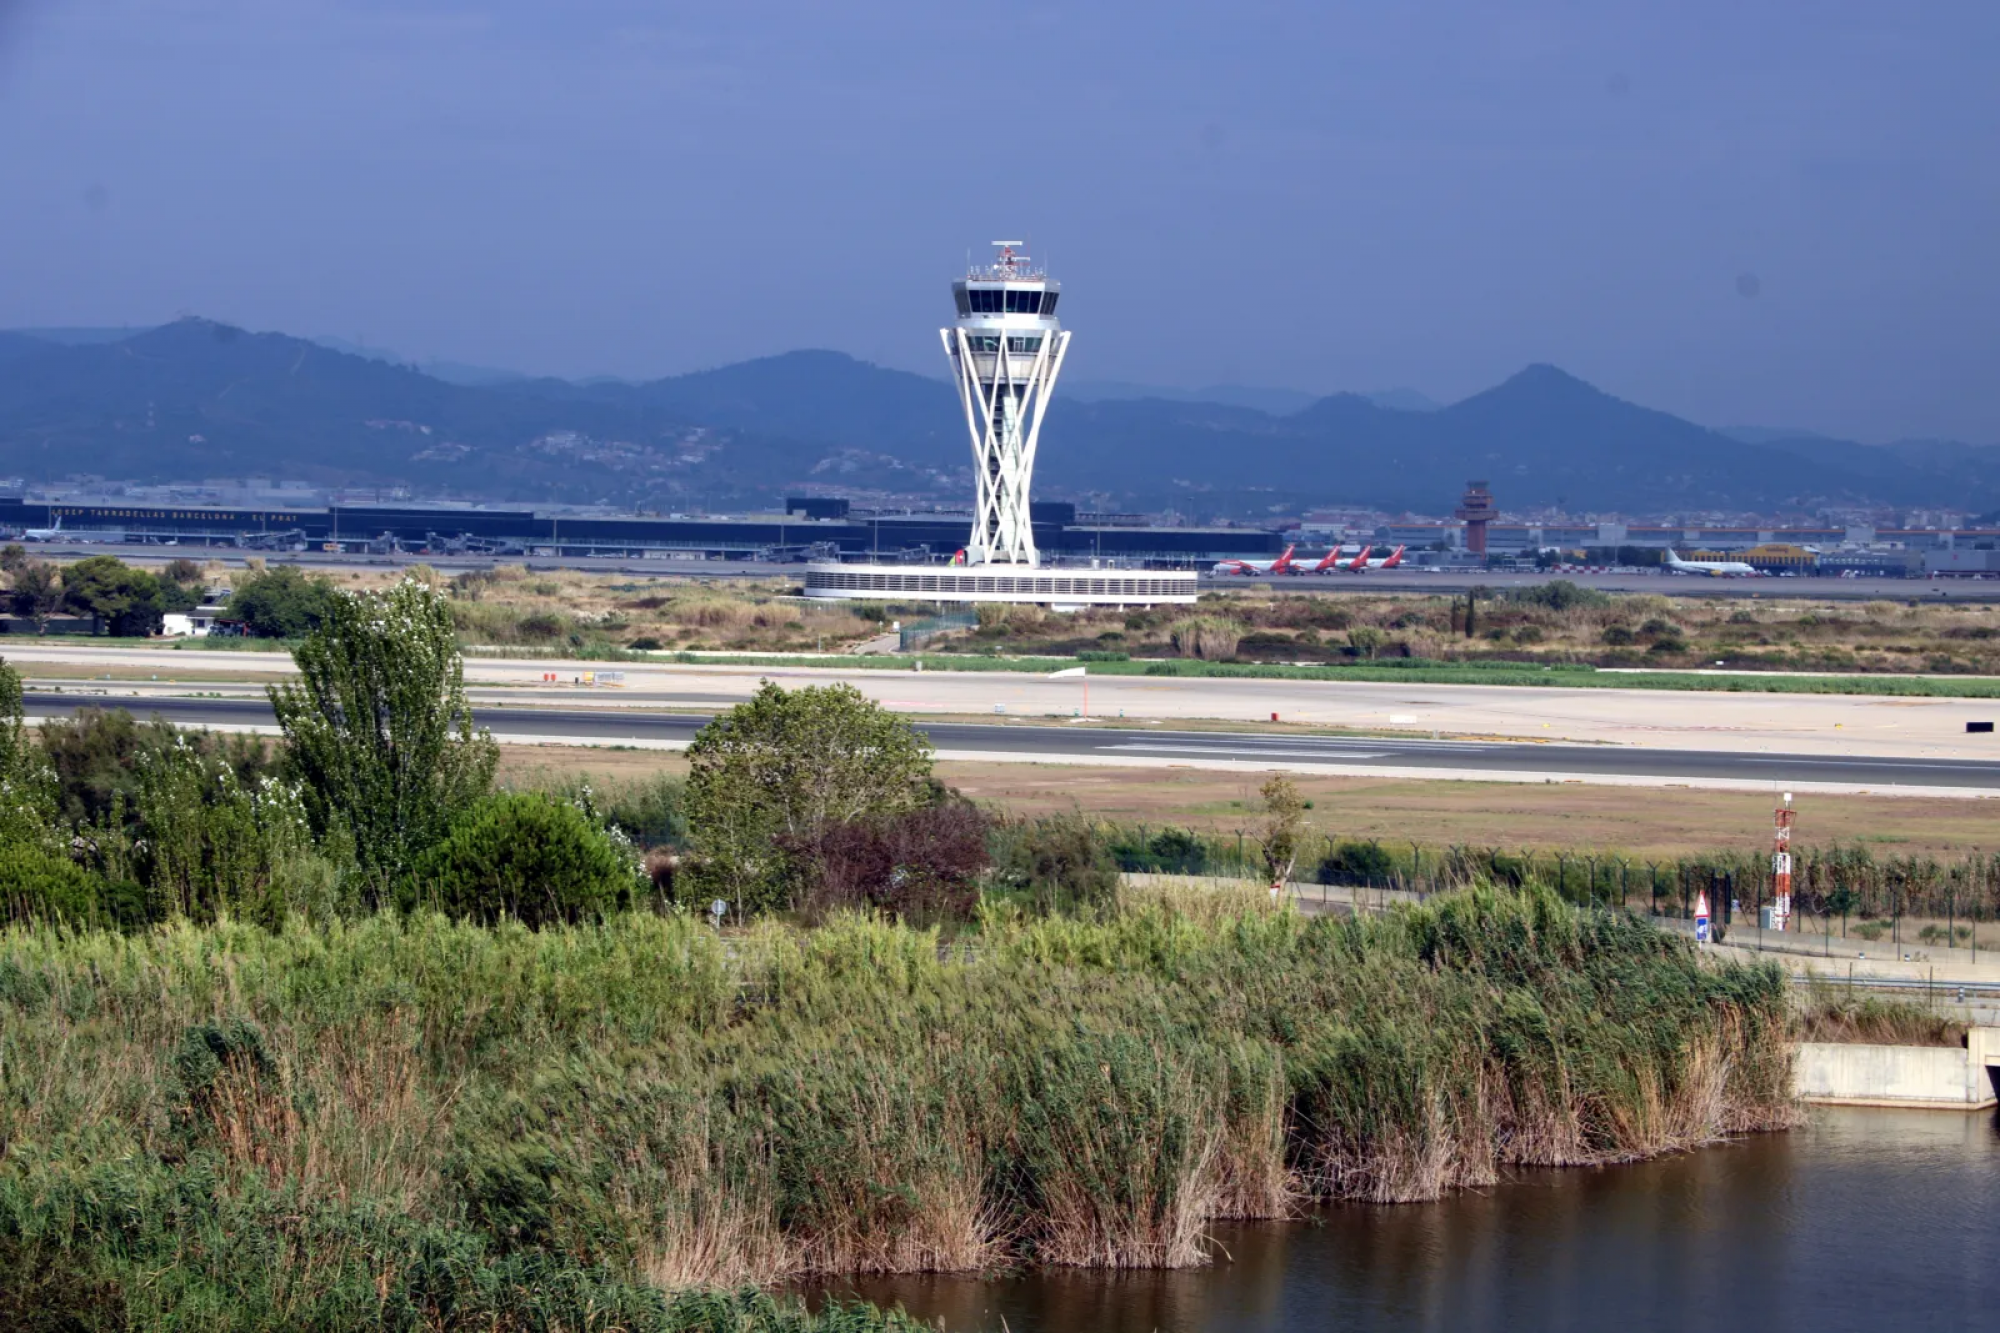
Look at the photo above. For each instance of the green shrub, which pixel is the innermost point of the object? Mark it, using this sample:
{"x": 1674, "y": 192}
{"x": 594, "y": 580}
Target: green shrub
{"x": 527, "y": 856}
{"x": 1356, "y": 863}
{"x": 1556, "y": 595}
{"x": 541, "y": 625}
{"x": 40, "y": 885}
{"x": 1060, "y": 864}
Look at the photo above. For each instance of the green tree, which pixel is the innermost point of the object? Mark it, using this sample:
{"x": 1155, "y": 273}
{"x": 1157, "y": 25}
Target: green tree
{"x": 38, "y": 592}
{"x": 27, "y": 788}
{"x": 781, "y": 766}
{"x": 528, "y": 856}
{"x": 379, "y": 729}
{"x": 130, "y": 602}
{"x": 283, "y": 603}
{"x": 1284, "y": 821}
{"x": 1364, "y": 639}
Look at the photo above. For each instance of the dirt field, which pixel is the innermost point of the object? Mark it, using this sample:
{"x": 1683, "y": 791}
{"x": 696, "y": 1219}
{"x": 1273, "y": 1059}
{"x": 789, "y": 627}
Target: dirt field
{"x": 1639, "y": 821}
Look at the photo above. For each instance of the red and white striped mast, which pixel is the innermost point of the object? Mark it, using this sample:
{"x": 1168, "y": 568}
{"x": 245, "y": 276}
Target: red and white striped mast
{"x": 1781, "y": 866}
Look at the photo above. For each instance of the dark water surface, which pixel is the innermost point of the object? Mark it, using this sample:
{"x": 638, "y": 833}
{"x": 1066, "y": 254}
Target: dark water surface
{"x": 1862, "y": 1219}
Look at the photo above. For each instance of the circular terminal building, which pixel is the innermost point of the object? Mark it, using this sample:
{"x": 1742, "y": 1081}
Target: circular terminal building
{"x": 1006, "y": 348}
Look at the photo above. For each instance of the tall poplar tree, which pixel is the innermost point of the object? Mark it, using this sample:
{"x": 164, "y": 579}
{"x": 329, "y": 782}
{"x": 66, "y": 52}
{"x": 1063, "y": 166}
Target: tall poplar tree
{"x": 379, "y": 729}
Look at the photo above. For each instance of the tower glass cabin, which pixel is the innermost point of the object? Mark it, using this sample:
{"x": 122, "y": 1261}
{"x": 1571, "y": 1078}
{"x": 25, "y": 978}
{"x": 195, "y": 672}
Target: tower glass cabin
{"x": 1006, "y": 350}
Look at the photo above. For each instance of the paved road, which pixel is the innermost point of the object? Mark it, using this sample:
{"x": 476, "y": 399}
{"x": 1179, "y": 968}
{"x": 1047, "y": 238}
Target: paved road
{"x": 1151, "y": 747}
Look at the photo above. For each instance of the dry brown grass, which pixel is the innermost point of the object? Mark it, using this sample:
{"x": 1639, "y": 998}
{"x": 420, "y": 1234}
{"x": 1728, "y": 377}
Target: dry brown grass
{"x": 1638, "y": 821}
{"x": 1629, "y": 629}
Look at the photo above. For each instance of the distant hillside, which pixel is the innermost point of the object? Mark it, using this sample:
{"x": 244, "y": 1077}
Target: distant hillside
{"x": 198, "y": 399}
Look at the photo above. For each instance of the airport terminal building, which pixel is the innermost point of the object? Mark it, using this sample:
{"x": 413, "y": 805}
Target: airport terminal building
{"x": 820, "y": 528}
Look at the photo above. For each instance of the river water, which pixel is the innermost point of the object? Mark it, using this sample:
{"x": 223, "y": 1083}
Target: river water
{"x": 1862, "y": 1219}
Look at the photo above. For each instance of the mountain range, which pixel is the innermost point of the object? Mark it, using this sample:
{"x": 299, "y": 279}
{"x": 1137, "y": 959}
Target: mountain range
{"x": 198, "y": 399}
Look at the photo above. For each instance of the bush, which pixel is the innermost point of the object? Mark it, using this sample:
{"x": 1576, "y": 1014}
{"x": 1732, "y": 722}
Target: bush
{"x": 95, "y": 755}
{"x": 282, "y": 603}
{"x": 1618, "y": 636}
{"x": 919, "y": 865}
{"x": 1356, "y": 863}
{"x": 527, "y": 856}
{"x": 541, "y": 625}
{"x": 39, "y": 885}
{"x": 1179, "y": 851}
{"x": 649, "y": 811}
{"x": 1059, "y": 864}
{"x": 1556, "y": 595}
{"x": 1210, "y": 638}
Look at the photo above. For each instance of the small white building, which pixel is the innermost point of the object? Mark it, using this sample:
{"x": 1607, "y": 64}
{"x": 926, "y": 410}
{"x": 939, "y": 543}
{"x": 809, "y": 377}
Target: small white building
{"x": 196, "y": 624}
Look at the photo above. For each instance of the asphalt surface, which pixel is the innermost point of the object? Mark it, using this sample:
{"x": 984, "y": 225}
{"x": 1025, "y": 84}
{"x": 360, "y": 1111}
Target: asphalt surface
{"x": 607, "y": 726}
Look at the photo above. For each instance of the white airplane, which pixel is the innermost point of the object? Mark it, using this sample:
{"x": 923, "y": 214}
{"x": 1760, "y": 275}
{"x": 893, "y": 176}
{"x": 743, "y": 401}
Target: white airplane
{"x": 1721, "y": 569}
{"x": 45, "y": 534}
{"x": 1252, "y": 568}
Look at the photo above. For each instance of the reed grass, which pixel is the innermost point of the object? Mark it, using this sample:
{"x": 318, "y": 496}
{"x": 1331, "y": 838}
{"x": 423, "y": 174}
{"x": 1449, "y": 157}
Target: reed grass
{"x": 423, "y": 1124}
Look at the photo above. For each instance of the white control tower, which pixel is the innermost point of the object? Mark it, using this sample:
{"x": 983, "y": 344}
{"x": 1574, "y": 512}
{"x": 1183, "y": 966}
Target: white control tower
{"x": 1006, "y": 350}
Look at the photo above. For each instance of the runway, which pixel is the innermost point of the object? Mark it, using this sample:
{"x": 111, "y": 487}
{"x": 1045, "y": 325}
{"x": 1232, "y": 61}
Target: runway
{"x": 1156, "y": 746}
{"x": 1871, "y": 726}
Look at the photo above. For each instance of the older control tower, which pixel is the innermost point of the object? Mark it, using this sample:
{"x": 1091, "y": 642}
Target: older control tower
{"x": 1006, "y": 350}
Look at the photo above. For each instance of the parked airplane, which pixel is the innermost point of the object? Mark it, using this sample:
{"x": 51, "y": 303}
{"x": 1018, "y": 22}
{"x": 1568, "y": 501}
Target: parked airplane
{"x": 1389, "y": 561}
{"x": 1721, "y": 569}
{"x": 45, "y": 534}
{"x": 1333, "y": 561}
{"x": 1252, "y": 568}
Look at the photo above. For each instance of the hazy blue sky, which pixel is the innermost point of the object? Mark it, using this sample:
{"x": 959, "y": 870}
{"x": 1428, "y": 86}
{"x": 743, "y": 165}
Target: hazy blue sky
{"x": 1776, "y": 213}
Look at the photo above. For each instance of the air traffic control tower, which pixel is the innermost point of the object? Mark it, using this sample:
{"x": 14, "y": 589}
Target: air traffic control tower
{"x": 1006, "y": 349}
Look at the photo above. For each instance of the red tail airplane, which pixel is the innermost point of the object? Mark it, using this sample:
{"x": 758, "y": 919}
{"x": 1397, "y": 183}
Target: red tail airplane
{"x": 1251, "y": 568}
